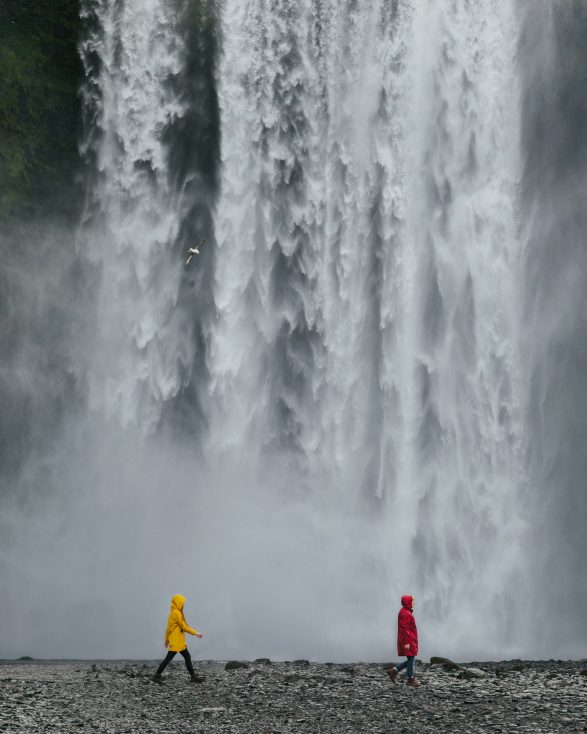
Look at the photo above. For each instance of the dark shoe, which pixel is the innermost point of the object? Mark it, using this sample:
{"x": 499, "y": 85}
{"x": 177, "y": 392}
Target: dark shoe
{"x": 413, "y": 682}
{"x": 392, "y": 673}
{"x": 197, "y": 679}
{"x": 157, "y": 679}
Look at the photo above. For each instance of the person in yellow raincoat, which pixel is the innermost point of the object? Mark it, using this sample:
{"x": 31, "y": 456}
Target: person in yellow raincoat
{"x": 175, "y": 640}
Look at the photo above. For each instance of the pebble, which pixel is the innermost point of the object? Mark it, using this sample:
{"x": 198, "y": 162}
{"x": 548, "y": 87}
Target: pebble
{"x": 291, "y": 698}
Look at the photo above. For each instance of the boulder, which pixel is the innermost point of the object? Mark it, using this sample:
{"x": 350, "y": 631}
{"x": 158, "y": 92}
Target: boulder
{"x": 235, "y": 665}
{"x": 468, "y": 673}
{"x": 445, "y": 662}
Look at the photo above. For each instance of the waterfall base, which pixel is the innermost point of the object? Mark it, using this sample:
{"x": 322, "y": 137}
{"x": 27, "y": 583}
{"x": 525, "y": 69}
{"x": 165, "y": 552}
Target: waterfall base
{"x": 288, "y": 697}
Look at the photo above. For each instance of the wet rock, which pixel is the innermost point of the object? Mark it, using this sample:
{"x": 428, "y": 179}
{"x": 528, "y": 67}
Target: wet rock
{"x": 291, "y": 678}
{"x": 235, "y": 665}
{"x": 315, "y": 699}
{"x": 468, "y": 673}
{"x": 301, "y": 662}
{"x": 445, "y": 662}
{"x": 264, "y": 661}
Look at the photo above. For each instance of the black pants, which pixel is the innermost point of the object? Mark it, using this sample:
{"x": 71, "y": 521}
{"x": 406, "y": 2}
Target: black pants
{"x": 169, "y": 657}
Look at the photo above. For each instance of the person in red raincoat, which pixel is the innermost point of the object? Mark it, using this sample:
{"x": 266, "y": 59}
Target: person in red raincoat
{"x": 407, "y": 641}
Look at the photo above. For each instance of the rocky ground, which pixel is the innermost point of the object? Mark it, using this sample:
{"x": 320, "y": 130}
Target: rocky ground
{"x": 267, "y": 698}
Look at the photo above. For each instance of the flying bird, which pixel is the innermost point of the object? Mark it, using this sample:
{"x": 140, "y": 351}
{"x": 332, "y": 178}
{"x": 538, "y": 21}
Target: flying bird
{"x": 193, "y": 251}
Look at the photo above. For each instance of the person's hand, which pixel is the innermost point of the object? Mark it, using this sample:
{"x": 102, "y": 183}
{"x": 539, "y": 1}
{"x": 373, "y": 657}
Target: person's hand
{"x": 407, "y": 646}
{"x": 199, "y": 635}
{"x": 166, "y": 644}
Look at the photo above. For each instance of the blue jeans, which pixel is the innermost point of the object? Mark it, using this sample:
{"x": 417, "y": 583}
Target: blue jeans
{"x": 409, "y": 664}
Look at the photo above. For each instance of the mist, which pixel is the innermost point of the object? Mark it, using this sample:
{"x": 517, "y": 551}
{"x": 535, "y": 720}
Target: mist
{"x": 371, "y": 382}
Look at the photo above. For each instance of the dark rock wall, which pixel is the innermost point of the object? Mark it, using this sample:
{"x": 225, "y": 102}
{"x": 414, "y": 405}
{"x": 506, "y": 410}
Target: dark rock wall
{"x": 40, "y": 73}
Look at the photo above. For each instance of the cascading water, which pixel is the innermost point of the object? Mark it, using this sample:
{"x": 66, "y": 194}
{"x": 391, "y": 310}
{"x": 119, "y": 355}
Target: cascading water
{"x": 365, "y": 340}
{"x": 141, "y": 347}
{"x": 468, "y": 419}
{"x": 108, "y": 483}
{"x": 367, "y": 276}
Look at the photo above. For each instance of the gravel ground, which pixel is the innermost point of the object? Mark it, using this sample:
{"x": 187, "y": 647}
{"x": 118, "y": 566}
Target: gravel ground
{"x": 271, "y": 698}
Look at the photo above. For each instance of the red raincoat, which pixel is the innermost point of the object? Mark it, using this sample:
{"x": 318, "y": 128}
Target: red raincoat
{"x": 407, "y": 632}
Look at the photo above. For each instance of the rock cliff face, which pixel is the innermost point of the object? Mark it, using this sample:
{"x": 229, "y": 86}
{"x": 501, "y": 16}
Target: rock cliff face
{"x": 40, "y": 73}
{"x": 41, "y": 109}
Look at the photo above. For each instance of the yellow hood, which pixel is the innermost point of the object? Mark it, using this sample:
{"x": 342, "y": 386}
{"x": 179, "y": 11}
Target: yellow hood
{"x": 177, "y": 602}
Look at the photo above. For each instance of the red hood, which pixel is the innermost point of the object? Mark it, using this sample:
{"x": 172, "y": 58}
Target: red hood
{"x": 407, "y": 601}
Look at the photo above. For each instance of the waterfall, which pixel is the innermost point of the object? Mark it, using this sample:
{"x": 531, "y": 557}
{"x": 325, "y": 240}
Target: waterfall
{"x": 368, "y": 276}
{"x": 468, "y": 419}
{"x": 368, "y": 383}
{"x": 140, "y": 349}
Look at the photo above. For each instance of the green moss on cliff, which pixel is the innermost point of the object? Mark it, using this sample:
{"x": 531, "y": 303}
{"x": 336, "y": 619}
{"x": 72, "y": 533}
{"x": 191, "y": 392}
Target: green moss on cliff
{"x": 40, "y": 74}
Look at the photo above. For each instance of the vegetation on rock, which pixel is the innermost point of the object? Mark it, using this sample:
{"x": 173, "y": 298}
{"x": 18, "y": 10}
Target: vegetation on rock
{"x": 40, "y": 74}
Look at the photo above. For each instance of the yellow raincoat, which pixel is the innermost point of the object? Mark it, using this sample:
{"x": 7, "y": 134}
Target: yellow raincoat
{"x": 176, "y": 625}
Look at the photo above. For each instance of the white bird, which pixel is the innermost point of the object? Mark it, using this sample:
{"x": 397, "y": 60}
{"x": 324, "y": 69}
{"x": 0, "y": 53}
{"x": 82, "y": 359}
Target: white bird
{"x": 193, "y": 251}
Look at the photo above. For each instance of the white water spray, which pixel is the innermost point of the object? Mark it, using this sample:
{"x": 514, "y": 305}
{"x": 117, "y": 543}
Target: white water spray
{"x": 141, "y": 346}
{"x": 367, "y": 279}
{"x": 355, "y": 362}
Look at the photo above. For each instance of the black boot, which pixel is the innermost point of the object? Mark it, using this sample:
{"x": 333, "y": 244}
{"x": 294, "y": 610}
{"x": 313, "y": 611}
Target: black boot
{"x": 157, "y": 679}
{"x": 392, "y": 673}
